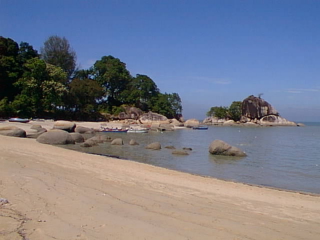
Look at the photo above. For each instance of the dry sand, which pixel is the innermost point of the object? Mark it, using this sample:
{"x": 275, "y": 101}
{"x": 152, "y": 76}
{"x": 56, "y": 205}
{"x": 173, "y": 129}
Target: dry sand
{"x": 56, "y": 193}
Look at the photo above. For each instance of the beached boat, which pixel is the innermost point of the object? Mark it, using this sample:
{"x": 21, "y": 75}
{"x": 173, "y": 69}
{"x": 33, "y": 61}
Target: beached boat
{"x": 114, "y": 130}
{"x": 20, "y": 120}
{"x": 200, "y": 128}
{"x": 179, "y": 127}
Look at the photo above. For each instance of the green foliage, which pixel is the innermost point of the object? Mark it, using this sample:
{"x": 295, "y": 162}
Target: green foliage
{"x": 234, "y": 111}
{"x": 168, "y": 105}
{"x": 58, "y": 52}
{"x": 34, "y": 87}
{"x": 218, "y": 112}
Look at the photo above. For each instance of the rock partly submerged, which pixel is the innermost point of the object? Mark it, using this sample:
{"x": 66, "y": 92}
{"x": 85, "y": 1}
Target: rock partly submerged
{"x": 219, "y": 147}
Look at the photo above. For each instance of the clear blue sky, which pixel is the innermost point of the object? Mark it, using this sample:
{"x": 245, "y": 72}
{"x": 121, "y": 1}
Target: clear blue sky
{"x": 210, "y": 52}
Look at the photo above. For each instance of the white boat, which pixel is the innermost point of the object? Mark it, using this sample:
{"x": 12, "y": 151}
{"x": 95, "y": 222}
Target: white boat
{"x": 138, "y": 130}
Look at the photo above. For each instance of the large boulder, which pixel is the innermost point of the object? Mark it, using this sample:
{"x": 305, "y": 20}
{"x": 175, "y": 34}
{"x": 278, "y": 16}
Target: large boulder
{"x": 150, "y": 117}
{"x": 12, "y": 131}
{"x": 77, "y": 137}
{"x": 83, "y": 130}
{"x": 117, "y": 141}
{"x": 154, "y": 146}
{"x": 218, "y": 147}
{"x": 56, "y": 137}
{"x": 256, "y": 108}
{"x": 192, "y": 123}
{"x": 64, "y": 125}
{"x": 89, "y": 143}
{"x": 273, "y": 120}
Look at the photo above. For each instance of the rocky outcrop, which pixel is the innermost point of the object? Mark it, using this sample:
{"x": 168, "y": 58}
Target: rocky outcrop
{"x": 56, "y": 137}
{"x": 273, "y": 120}
{"x": 213, "y": 121}
{"x": 12, "y": 131}
{"x": 218, "y": 147}
{"x": 64, "y": 125}
{"x": 152, "y": 117}
{"x": 256, "y": 108}
{"x": 192, "y": 123}
{"x": 154, "y": 146}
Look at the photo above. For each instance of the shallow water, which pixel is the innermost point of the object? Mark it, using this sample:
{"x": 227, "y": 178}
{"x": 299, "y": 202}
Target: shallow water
{"x": 281, "y": 157}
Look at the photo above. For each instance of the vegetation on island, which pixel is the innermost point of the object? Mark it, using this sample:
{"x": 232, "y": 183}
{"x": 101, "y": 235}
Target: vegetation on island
{"x": 233, "y": 112}
{"x": 49, "y": 85}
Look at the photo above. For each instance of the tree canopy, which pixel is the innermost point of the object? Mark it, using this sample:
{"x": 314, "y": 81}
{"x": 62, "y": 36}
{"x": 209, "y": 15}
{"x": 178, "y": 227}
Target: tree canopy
{"x": 58, "y": 52}
{"x": 48, "y": 85}
{"x": 232, "y": 112}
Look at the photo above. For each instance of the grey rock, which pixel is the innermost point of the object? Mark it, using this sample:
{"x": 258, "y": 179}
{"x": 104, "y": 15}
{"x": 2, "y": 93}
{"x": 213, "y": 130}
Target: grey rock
{"x": 154, "y": 146}
{"x": 77, "y": 137}
{"x": 83, "y": 130}
{"x": 56, "y": 137}
{"x": 180, "y": 152}
{"x": 117, "y": 141}
{"x": 218, "y": 147}
{"x": 12, "y": 131}
{"x": 133, "y": 142}
{"x": 64, "y": 125}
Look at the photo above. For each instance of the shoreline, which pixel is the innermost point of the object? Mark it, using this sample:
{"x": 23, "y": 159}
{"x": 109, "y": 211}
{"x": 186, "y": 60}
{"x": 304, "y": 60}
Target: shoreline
{"x": 96, "y": 197}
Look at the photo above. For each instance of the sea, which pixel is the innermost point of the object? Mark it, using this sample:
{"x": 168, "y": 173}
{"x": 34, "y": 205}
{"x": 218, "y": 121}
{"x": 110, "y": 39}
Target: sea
{"x": 278, "y": 157}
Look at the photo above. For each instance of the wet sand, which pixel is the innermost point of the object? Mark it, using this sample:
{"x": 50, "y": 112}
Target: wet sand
{"x": 56, "y": 193}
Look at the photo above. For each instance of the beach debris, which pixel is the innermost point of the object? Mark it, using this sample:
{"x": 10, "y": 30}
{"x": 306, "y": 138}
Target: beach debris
{"x": 3, "y": 201}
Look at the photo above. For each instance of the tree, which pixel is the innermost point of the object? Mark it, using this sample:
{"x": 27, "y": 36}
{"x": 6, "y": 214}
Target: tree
{"x": 113, "y": 75}
{"x": 218, "y": 112}
{"x": 10, "y": 69}
{"x": 140, "y": 92}
{"x": 234, "y": 111}
{"x": 168, "y": 105}
{"x": 85, "y": 93}
{"x": 41, "y": 88}
{"x": 58, "y": 52}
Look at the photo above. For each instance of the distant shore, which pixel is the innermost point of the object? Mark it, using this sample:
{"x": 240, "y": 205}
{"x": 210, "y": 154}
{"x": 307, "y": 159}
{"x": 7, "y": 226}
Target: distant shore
{"x": 94, "y": 197}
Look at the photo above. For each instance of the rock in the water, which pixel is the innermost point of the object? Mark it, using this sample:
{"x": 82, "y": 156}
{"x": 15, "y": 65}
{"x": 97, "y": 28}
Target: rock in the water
{"x": 154, "y": 146}
{"x": 64, "y": 125}
{"x": 187, "y": 148}
{"x": 170, "y": 147}
{"x": 273, "y": 120}
{"x": 12, "y": 131}
{"x": 117, "y": 141}
{"x": 180, "y": 152}
{"x": 56, "y": 137}
{"x": 192, "y": 123}
{"x": 218, "y": 147}
{"x": 77, "y": 137}
{"x": 133, "y": 142}
{"x": 89, "y": 143}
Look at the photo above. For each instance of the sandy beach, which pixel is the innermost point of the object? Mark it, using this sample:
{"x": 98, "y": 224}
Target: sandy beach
{"x": 56, "y": 193}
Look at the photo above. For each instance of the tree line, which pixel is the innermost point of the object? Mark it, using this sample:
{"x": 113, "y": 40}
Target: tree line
{"x": 49, "y": 85}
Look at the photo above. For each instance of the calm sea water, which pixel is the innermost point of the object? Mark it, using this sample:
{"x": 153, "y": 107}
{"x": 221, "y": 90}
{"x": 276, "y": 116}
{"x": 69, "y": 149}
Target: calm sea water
{"x": 280, "y": 157}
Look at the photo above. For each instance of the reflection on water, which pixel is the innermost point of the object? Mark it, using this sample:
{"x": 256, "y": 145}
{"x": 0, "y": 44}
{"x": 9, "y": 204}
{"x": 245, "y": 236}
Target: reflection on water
{"x": 282, "y": 157}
